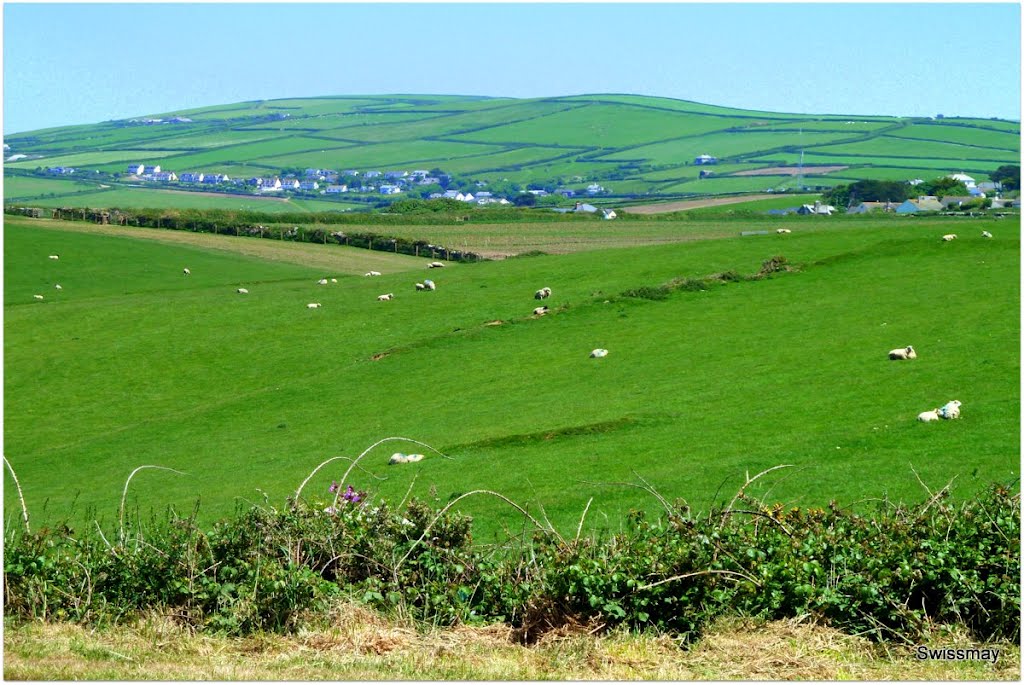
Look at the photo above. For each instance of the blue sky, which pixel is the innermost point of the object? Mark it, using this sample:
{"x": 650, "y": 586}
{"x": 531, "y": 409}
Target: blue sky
{"x": 84, "y": 63}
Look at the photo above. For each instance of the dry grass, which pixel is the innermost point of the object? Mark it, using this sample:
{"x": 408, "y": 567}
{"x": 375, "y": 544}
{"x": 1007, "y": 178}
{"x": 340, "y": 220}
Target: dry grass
{"x": 665, "y": 207}
{"x": 334, "y": 258}
{"x": 357, "y": 644}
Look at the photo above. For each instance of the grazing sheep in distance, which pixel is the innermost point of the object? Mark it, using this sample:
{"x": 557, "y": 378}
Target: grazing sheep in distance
{"x": 986, "y": 234}
{"x": 435, "y": 265}
{"x": 372, "y": 273}
{"x": 903, "y": 353}
{"x": 541, "y": 294}
{"x": 334, "y": 280}
{"x": 420, "y": 286}
{"x": 385, "y": 298}
{"x": 429, "y": 284}
{"x": 322, "y": 281}
{"x": 598, "y": 353}
{"x": 313, "y": 305}
{"x": 242, "y": 291}
{"x": 927, "y": 416}
{"x": 38, "y": 297}
{"x": 782, "y": 230}
{"x": 950, "y": 410}
{"x": 949, "y": 236}
{"x": 53, "y": 256}
{"x": 186, "y": 271}
{"x": 540, "y": 311}
{"x": 58, "y": 287}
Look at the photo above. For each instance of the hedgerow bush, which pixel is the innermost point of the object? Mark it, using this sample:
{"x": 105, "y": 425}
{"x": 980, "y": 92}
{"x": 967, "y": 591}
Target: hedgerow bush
{"x": 894, "y": 572}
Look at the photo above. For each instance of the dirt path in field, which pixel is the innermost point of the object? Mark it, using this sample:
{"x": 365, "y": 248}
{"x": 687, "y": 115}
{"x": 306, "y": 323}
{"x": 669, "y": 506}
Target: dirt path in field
{"x": 333, "y": 258}
{"x": 665, "y": 207}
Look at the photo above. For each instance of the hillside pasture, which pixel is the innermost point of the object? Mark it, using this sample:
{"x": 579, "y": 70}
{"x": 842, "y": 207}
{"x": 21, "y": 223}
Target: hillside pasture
{"x": 181, "y": 199}
{"x": 133, "y": 363}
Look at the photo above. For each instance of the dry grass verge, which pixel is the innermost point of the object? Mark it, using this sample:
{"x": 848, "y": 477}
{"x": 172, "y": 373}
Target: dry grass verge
{"x": 357, "y": 644}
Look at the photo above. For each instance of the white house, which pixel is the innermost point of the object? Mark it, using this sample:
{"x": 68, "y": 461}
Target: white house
{"x": 165, "y": 176}
{"x": 594, "y": 189}
{"x": 290, "y": 184}
{"x": 963, "y": 178}
{"x": 386, "y": 189}
{"x": 269, "y": 185}
{"x": 308, "y": 185}
{"x": 151, "y": 169}
{"x": 136, "y": 169}
{"x": 337, "y": 189}
{"x": 191, "y": 177}
{"x": 214, "y": 179}
{"x": 705, "y": 159}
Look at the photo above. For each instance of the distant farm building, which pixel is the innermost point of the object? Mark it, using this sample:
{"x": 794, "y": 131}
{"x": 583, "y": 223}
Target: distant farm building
{"x": 705, "y": 159}
{"x": 924, "y": 203}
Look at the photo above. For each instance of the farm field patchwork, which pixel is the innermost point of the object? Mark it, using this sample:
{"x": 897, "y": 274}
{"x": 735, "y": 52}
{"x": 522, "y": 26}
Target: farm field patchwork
{"x": 248, "y": 394}
{"x": 646, "y": 145}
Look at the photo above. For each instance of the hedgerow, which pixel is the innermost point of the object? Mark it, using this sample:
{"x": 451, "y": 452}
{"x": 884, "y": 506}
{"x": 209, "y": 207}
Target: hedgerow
{"x": 893, "y": 573}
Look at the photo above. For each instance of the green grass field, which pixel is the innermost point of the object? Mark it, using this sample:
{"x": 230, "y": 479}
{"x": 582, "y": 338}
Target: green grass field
{"x": 606, "y": 138}
{"x": 134, "y": 363}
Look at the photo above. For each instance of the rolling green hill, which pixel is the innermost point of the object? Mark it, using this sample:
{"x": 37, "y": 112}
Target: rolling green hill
{"x": 134, "y": 363}
{"x": 636, "y": 147}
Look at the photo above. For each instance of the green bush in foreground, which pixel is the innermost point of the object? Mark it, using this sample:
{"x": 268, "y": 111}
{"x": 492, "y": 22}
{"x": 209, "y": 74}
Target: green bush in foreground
{"x": 890, "y": 574}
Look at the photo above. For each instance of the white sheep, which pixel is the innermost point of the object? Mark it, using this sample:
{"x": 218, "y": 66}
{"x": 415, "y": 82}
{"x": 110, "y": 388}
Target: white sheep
{"x": 38, "y": 297}
{"x": 322, "y": 281}
{"x": 53, "y": 256}
{"x": 541, "y": 294}
{"x": 949, "y": 236}
{"x": 334, "y": 280}
{"x": 186, "y": 271}
{"x": 540, "y": 311}
{"x": 986, "y": 234}
{"x": 242, "y": 291}
{"x": 429, "y": 284}
{"x": 780, "y": 231}
{"x": 950, "y": 410}
{"x": 927, "y": 416}
{"x": 372, "y": 273}
{"x": 598, "y": 353}
{"x": 313, "y": 305}
{"x": 435, "y": 265}
{"x": 399, "y": 458}
{"x": 420, "y": 286}
{"x": 386, "y": 297}
{"x": 903, "y": 353}
{"x": 59, "y": 286}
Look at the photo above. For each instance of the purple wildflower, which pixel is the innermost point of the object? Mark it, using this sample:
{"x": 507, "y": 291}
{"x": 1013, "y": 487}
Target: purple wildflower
{"x": 334, "y": 487}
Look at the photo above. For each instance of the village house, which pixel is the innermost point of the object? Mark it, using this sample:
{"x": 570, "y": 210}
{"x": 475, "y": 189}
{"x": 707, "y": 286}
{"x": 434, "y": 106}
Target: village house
{"x": 135, "y": 169}
{"x": 386, "y": 189}
{"x": 924, "y": 203}
{"x": 191, "y": 177}
{"x": 308, "y": 185}
{"x": 165, "y": 176}
{"x": 705, "y": 159}
{"x": 332, "y": 189}
{"x": 865, "y": 207}
{"x": 150, "y": 170}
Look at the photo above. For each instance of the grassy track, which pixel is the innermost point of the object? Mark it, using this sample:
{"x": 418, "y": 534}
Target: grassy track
{"x": 359, "y": 646}
{"x": 133, "y": 363}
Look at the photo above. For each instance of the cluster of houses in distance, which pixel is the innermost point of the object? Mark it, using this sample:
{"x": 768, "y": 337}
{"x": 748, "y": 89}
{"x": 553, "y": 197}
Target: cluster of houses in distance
{"x": 327, "y": 182}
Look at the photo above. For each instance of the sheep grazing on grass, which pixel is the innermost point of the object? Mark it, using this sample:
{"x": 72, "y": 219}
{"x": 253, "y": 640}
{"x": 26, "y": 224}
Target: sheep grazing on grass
{"x": 420, "y": 286}
{"x": 334, "y": 280}
{"x": 372, "y": 273}
{"x": 598, "y": 353}
{"x": 322, "y": 281}
{"x": 58, "y": 287}
{"x": 903, "y": 353}
{"x": 53, "y": 256}
{"x": 385, "y": 298}
{"x": 950, "y": 410}
{"x": 949, "y": 236}
{"x": 399, "y": 458}
{"x": 986, "y": 234}
{"x": 242, "y": 291}
{"x": 435, "y": 265}
{"x": 313, "y": 305}
{"x": 429, "y": 284}
{"x": 927, "y": 416}
{"x": 542, "y": 294}
{"x": 540, "y": 311}
{"x": 186, "y": 271}
{"x": 780, "y": 231}
{"x": 38, "y": 297}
